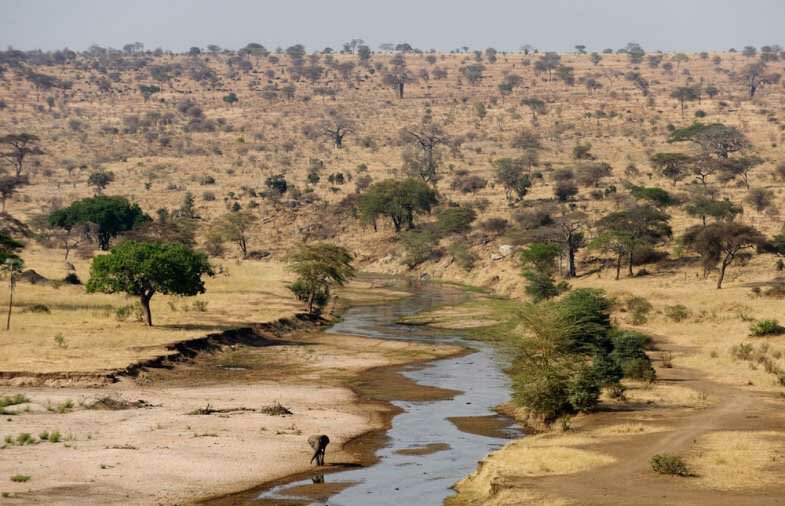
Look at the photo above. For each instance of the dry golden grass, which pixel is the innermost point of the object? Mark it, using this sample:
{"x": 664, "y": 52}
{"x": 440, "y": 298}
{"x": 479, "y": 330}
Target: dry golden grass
{"x": 728, "y": 460}
{"x": 94, "y": 339}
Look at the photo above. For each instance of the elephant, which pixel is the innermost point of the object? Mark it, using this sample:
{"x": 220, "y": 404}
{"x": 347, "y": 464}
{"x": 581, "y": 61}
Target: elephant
{"x": 319, "y": 443}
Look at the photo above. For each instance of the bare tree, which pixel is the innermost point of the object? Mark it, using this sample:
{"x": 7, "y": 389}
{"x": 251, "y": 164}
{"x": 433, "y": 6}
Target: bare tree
{"x": 427, "y": 137}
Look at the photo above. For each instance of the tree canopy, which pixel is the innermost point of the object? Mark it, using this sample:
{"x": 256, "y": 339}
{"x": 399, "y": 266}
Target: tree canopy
{"x": 399, "y": 200}
{"x": 142, "y": 269}
{"x": 319, "y": 267}
{"x": 112, "y": 215}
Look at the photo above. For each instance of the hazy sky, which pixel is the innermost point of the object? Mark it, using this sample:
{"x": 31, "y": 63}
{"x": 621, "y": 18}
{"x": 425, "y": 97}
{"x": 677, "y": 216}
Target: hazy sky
{"x": 687, "y": 25}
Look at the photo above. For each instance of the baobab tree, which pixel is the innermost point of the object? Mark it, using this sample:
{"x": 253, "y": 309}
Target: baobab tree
{"x": 336, "y": 127}
{"x": 398, "y": 75}
{"x": 426, "y": 137}
{"x": 754, "y": 76}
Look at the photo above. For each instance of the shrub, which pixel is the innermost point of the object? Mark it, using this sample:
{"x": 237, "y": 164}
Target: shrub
{"x": 677, "y": 313}
{"x": 496, "y": 226}
{"x": 455, "y": 220}
{"x": 766, "y": 328}
{"x": 665, "y": 463}
{"x": 418, "y": 247}
{"x": 72, "y": 279}
{"x": 20, "y": 478}
{"x": 129, "y": 312}
{"x": 742, "y": 351}
{"x": 639, "y": 369}
{"x": 541, "y": 285}
{"x": 543, "y": 391}
{"x": 639, "y": 307}
{"x": 630, "y": 355}
{"x": 583, "y": 390}
{"x": 565, "y": 190}
{"x": 39, "y": 308}
{"x": 462, "y": 255}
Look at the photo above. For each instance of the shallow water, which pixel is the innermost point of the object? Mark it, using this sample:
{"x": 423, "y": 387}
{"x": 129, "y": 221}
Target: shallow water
{"x": 417, "y": 477}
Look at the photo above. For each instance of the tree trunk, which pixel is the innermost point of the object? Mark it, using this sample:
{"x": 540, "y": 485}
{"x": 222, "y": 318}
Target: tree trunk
{"x": 571, "y": 271}
{"x": 338, "y": 141}
{"x": 629, "y": 264}
{"x": 10, "y": 305}
{"x": 400, "y": 89}
{"x": 618, "y": 266}
{"x": 144, "y": 301}
{"x": 725, "y": 263}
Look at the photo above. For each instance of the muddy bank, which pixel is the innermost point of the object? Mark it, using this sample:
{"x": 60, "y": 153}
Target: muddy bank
{"x": 170, "y": 354}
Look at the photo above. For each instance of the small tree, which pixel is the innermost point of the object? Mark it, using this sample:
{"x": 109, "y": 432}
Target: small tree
{"x": 148, "y": 90}
{"x": 671, "y": 165}
{"x": 12, "y": 268}
{"x": 539, "y": 262}
{"x": 624, "y": 232}
{"x": 511, "y": 174}
{"x": 722, "y": 243}
{"x": 536, "y": 107}
{"x": 236, "y": 227}
{"x": 100, "y": 179}
{"x": 427, "y": 138}
{"x": 319, "y": 267}
{"x": 20, "y": 147}
{"x": 685, "y": 94}
{"x": 142, "y": 269}
{"x": 9, "y": 186}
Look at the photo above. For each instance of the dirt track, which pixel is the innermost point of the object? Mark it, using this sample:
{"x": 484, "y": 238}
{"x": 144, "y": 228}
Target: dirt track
{"x": 630, "y": 480}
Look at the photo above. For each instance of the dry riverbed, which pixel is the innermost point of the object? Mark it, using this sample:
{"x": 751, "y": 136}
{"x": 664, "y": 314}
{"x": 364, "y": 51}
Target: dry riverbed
{"x": 204, "y": 428}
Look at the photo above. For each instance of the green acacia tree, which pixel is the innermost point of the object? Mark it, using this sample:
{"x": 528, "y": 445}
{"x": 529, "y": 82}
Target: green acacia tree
{"x": 624, "y": 232}
{"x": 142, "y": 269}
{"x": 539, "y": 265}
{"x": 400, "y": 200}
{"x": 319, "y": 267}
{"x": 111, "y": 215}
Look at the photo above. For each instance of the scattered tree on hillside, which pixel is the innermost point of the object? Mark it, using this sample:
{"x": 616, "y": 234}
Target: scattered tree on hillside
{"x": 100, "y": 179}
{"x": 111, "y": 215}
{"x": 399, "y": 200}
{"x": 336, "y": 127}
{"x": 722, "y": 243}
{"x": 623, "y": 232}
{"x": 511, "y": 174}
{"x": 235, "y": 227}
{"x": 706, "y": 207}
{"x": 424, "y": 163}
{"x": 9, "y": 185}
{"x": 20, "y": 146}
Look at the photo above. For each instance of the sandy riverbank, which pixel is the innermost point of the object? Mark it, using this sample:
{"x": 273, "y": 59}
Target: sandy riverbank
{"x": 162, "y": 453}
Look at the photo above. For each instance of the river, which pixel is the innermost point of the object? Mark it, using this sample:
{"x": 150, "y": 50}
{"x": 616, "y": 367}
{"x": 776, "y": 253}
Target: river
{"x": 425, "y": 452}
